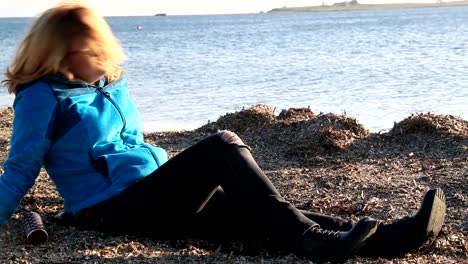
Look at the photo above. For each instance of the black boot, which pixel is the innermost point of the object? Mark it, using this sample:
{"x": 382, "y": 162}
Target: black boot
{"x": 409, "y": 233}
{"x": 329, "y": 222}
{"x": 320, "y": 245}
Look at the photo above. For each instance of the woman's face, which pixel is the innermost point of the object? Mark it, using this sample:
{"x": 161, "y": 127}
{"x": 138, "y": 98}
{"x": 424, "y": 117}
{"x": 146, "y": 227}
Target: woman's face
{"x": 83, "y": 62}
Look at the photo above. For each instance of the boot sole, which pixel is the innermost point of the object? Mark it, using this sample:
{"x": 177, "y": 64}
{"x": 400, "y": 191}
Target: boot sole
{"x": 433, "y": 209}
{"x": 437, "y": 216}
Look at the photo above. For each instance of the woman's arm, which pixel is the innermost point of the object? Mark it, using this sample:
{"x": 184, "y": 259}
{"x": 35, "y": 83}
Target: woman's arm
{"x": 34, "y": 109}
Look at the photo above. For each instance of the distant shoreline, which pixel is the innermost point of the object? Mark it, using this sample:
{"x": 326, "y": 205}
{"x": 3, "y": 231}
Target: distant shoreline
{"x": 358, "y": 7}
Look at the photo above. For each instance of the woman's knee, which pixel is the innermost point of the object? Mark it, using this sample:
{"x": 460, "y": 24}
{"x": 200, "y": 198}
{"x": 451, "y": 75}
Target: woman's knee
{"x": 231, "y": 138}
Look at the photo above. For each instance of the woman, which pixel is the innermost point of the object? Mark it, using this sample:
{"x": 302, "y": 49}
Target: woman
{"x": 73, "y": 116}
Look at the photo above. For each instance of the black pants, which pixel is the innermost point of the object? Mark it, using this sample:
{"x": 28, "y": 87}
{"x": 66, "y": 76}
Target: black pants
{"x": 213, "y": 189}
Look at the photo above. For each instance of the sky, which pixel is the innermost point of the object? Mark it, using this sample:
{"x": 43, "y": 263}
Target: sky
{"x": 27, "y": 8}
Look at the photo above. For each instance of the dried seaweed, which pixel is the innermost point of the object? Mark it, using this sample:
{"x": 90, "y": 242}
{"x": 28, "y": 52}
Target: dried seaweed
{"x": 325, "y": 163}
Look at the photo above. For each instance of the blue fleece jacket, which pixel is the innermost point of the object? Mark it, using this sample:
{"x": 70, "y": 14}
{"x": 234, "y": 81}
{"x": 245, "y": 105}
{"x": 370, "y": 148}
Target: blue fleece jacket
{"x": 87, "y": 137}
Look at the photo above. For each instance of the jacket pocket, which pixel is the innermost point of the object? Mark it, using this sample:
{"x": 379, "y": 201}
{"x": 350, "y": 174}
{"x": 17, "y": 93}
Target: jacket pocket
{"x": 126, "y": 165}
{"x": 159, "y": 154}
{"x": 99, "y": 164}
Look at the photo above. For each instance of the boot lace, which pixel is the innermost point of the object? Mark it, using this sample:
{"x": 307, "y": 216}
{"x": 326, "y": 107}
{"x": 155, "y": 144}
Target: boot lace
{"x": 325, "y": 232}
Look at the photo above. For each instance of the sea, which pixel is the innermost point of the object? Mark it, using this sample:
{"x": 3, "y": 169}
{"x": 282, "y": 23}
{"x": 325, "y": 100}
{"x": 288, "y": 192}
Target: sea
{"x": 379, "y": 66}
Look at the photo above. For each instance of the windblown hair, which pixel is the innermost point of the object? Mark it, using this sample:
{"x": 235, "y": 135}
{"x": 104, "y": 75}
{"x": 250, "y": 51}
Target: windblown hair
{"x": 45, "y": 47}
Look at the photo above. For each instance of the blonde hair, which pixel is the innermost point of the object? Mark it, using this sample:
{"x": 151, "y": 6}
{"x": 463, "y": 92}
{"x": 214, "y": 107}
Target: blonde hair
{"x": 45, "y": 47}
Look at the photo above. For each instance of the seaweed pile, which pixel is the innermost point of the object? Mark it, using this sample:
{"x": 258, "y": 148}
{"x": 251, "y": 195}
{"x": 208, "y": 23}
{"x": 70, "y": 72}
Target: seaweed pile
{"x": 299, "y": 133}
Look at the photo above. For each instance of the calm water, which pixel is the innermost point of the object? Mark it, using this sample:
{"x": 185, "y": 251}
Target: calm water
{"x": 378, "y": 66}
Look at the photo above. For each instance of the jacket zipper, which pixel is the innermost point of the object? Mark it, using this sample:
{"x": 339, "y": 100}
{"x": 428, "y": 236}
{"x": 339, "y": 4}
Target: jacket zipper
{"x": 107, "y": 95}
